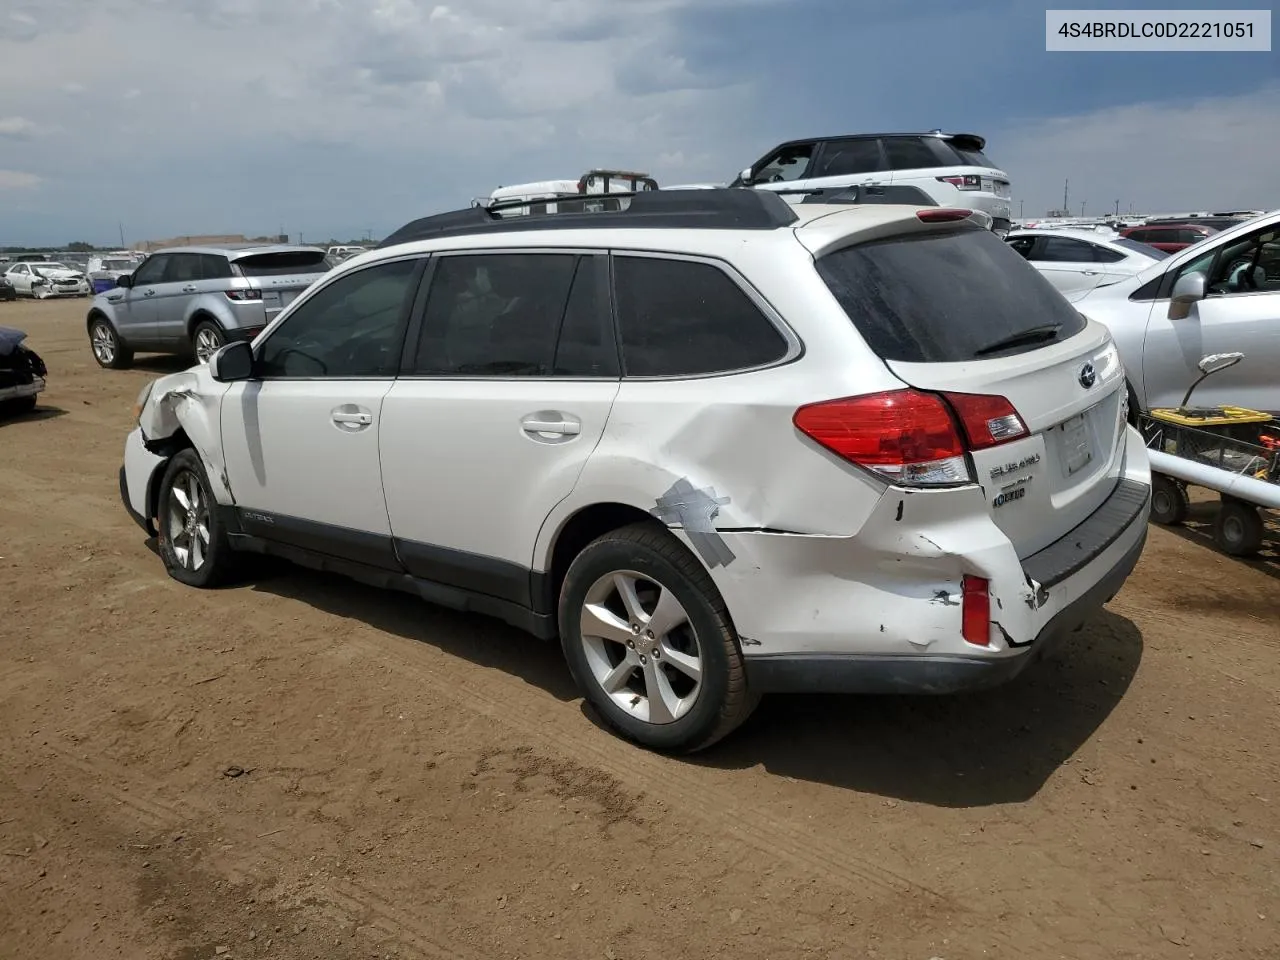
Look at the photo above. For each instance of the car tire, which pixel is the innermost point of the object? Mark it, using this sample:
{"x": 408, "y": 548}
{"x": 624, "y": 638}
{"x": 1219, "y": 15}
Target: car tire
{"x": 206, "y": 338}
{"x": 192, "y": 540}
{"x": 19, "y": 407}
{"x": 1238, "y": 528}
{"x": 1169, "y": 501}
{"x": 106, "y": 346}
{"x": 618, "y": 583}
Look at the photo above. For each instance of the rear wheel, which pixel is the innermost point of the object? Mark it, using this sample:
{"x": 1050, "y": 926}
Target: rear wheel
{"x": 650, "y": 643}
{"x": 1169, "y": 501}
{"x": 106, "y": 346}
{"x": 1238, "y": 528}
{"x": 206, "y": 339}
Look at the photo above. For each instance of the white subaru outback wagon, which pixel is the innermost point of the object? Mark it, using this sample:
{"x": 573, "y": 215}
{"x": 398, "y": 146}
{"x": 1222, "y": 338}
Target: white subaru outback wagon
{"x": 718, "y": 444}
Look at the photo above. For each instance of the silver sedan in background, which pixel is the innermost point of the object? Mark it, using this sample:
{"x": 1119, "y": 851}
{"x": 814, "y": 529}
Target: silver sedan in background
{"x": 1077, "y": 261}
{"x": 1221, "y": 295}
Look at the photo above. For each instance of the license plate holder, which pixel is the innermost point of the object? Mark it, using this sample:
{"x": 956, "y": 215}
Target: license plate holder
{"x": 1077, "y": 451}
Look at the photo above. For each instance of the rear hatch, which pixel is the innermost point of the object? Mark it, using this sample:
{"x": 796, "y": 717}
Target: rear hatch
{"x": 281, "y": 275}
{"x": 956, "y": 312}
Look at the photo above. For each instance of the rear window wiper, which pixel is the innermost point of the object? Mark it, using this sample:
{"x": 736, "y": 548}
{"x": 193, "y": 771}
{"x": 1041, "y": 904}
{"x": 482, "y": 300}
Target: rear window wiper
{"x": 1040, "y": 334}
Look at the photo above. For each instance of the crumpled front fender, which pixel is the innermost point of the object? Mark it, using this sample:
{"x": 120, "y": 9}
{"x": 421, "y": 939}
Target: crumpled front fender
{"x": 188, "y": 404}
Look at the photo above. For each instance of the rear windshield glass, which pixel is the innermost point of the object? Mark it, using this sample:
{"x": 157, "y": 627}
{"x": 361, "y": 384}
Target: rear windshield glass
{"x": 282, "y": 264}
{"x": 947, "y": 297}
{"x": 1155, "y": 253}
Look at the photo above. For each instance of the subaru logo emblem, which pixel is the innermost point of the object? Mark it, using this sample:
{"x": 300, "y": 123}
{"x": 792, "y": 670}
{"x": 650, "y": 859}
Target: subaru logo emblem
{"x": 1088, "y": 376}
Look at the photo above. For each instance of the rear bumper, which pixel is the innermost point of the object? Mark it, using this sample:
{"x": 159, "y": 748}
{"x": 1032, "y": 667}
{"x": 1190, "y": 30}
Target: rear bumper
{"x": 872, "y": 674}
{"x": 881, "y": 610}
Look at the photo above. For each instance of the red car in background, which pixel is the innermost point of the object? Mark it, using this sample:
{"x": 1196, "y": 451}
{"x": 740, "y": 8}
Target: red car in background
{"x": 1170, "y": 237}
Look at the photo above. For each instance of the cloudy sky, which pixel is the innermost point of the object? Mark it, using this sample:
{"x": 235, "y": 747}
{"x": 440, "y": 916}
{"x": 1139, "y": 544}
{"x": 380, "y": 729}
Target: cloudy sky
{"x": 330, "y": 118}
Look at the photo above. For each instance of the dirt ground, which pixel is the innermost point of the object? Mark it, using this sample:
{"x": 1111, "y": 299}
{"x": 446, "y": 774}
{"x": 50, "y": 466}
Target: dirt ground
{"x": 303, "y": 767}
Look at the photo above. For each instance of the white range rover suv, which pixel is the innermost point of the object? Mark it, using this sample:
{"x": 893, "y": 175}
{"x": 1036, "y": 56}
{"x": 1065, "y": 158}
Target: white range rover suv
{"x": 718, "y": 444}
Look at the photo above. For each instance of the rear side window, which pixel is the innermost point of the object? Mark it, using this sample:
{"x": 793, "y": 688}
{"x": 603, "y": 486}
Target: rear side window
{"x": 681, "y": 318}
{"x": 909, "y": 153}
{"x": 946, "y": 297}
{"x": 282, "y": 264}
{"x": 214, "y": 267}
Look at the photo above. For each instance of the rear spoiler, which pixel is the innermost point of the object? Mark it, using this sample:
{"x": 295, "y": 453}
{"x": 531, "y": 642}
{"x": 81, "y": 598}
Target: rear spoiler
{"x": 970, "y": 140}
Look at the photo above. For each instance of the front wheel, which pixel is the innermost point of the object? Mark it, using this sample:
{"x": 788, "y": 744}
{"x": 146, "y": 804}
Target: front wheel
{"x": 650, "y": 643}
{"x": 106, "y": 346}
{"x": 193, "y": 543}
{"x": 206, "y": 339}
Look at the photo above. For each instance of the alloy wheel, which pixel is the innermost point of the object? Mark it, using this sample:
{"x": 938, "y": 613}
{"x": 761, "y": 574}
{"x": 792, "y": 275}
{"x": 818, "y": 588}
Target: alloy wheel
{"x": 103, "y": 342}
{"x": 208, "y": 342}
{"x": 641, "y": 647}
{"x": 188, "y": 521}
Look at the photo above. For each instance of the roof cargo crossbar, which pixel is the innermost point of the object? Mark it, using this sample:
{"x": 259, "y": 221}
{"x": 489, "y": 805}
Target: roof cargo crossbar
{"x": 719, "y": 209}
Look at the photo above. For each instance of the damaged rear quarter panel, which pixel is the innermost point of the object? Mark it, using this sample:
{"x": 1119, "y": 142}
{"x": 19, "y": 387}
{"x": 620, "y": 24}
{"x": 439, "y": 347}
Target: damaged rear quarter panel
{"x": 190, "y": 401}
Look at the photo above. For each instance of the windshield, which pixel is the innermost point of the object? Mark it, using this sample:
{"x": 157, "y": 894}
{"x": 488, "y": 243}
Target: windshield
{"x": 1155, "y": 253}
{"x": 946, "y": 297}
{"x": 117, "y": 265}
{"x": 282, "y": 264}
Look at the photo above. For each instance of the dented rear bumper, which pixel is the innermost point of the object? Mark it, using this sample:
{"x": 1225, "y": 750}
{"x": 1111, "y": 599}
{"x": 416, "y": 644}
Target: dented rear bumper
{"x": 880, "y": 611}
{"x": 886, "y": 673}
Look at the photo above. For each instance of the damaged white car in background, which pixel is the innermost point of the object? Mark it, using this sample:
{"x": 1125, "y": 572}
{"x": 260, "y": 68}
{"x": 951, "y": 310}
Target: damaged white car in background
{"x": 43, "y": 278}
{"x": 832, "y": 448}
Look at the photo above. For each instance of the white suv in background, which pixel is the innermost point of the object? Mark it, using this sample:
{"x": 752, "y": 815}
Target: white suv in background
{"x": 945, "y": 169}
{"x": 719, "y": 445}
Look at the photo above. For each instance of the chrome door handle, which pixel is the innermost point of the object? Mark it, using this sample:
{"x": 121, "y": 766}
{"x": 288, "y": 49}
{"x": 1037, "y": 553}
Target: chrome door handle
{"x": 189, "y": 288}
{"x": 1089, "y": 273}
{"x": 564, "y": 428}
{"x": 148, "y": 293}
{"x": 361, "y": 418}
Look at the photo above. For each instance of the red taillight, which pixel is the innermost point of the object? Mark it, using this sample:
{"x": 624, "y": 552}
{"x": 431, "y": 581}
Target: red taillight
{"x": 905, "y": 435}
{"x": 975, "y": 610}
{"x": 242, "y": 295}
{"x": 970, "y": 181}
{"x": 943, "y": 215}
{"x": 988, "y": 421}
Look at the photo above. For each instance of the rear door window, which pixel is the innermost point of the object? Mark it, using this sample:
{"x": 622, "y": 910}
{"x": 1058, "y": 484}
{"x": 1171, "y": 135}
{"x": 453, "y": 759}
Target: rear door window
{"x": 495, "y": 315}
{"x": 1065, "y": 250}
{"x": 183, "y": 268}
{"x": 842, "y": 158}
{"x": 282, "y": 264}
{"x": 946, "y": 297}
{"x": 679, "y": 318}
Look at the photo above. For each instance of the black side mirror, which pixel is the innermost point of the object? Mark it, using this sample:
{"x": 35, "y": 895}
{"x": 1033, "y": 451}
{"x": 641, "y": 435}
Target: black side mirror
{"x": 232, "y": 362}
{"x": 124, "y": 280}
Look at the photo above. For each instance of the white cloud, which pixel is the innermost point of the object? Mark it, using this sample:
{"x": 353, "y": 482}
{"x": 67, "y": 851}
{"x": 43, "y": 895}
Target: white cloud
{"x": 17, "y": 127}
{"x": 1211, "y": 153}
{"x": 17, "y": 180}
